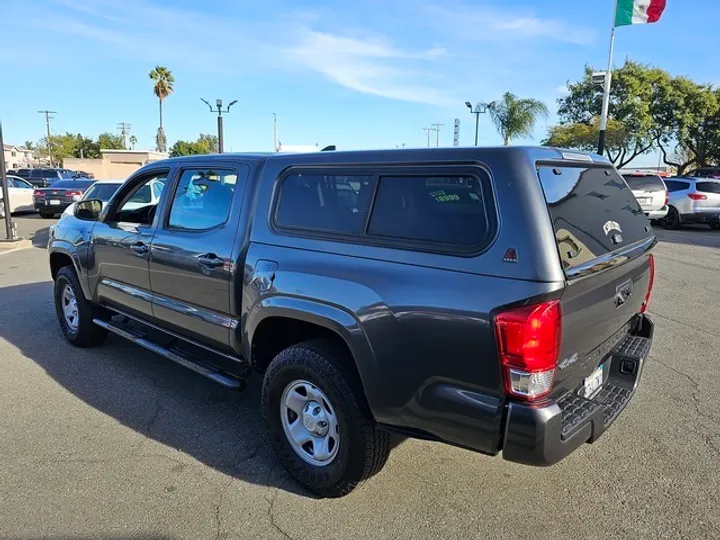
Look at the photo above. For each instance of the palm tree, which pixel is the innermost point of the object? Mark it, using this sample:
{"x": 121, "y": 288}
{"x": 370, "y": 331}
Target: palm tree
{"x": 164, "y": 82}
{"x": 133, "y": 141}
{"x": 514, "y": 117}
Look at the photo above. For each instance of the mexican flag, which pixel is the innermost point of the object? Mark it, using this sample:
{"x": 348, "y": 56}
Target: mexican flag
{"x": 638, "y": 11}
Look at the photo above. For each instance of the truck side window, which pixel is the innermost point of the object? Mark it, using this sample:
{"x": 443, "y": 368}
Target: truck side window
{"x": 202, "y": 199}
{"x": 138, "y": 206}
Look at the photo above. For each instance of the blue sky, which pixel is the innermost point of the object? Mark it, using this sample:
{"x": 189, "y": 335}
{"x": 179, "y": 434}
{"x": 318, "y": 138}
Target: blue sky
{"x": 362, "y": 74}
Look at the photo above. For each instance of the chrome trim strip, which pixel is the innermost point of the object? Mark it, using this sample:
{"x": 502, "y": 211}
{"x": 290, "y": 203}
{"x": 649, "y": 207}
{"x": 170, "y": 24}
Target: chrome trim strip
{"x": 127, "y": 289}
{"x": 611, "y": 259}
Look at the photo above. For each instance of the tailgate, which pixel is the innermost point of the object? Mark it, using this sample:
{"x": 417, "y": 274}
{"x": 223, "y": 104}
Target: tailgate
{"x": 603, "y": 240}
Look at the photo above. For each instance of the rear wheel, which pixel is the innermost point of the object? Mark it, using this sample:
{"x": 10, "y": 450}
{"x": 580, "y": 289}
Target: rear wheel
{"x": 318, "y": 421}
{"x": 75, "y": 314}
{"x": 671, "y": 220}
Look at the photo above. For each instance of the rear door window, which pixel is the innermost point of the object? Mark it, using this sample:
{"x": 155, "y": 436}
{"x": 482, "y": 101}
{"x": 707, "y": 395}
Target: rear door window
{"x": 708, "y": 187}
{"x": 593, "y": 212}
{"x": 676, "y": 185}
{"x": 644, "y": 183}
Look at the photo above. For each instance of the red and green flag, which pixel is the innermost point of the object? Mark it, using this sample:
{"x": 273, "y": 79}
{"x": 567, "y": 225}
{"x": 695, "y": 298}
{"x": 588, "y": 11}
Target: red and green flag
{"x": 638, "y": 11}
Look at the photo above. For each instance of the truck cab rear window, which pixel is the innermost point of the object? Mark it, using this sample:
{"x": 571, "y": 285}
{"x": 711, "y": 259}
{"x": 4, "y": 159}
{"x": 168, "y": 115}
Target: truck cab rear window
{"x": 593, "y": 212}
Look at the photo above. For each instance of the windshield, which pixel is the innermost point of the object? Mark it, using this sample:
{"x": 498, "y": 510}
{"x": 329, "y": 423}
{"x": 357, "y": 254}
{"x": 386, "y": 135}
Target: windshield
{"x": 592, "y": 210}
{"x": 69, "y": 184}
{"x": 101, "y": 191}
{"x": 644, "y": 183}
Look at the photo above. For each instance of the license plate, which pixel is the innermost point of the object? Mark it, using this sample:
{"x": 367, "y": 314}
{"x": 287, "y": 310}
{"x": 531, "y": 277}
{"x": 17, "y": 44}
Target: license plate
{"x": 54, "y": 203}
{"x": 643, "y": 200}
{"x": 593, "y": 382}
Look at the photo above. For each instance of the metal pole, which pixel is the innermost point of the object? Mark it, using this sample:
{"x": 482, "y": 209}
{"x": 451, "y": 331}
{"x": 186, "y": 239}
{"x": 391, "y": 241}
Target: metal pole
{"x": 5, "y": 191}
{"x": 477, "y": 124}
{"x": 606, "y": 91}
{"x": 220, "y": 133}
{"x": 275, "y": 144}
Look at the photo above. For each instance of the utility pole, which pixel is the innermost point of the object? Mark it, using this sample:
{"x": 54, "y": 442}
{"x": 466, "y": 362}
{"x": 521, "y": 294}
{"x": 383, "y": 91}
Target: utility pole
{"x": 437, "y": 133}
{"x": 47, "y": 125}
{"x": 124, "y": 128}
{"x": 429, "y": 131}
{"x": 220, "y": 111}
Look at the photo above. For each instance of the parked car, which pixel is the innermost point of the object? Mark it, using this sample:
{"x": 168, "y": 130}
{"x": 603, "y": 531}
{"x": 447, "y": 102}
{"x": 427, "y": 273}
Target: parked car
{"x": 494, "y": 299}
{"x": 651, "y": 194}
{"x": 21, "y": 196}
{"x": 46, "y": 177}
{"x": 693, "y": 200}
{"x": 706, "y": 172}
{"x": 105, "y": 189}
{"x": 82, "y": 174}
{"x": 56, "y": 198}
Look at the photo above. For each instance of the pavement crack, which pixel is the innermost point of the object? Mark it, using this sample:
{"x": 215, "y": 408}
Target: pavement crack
{"x": 271, "y": 514}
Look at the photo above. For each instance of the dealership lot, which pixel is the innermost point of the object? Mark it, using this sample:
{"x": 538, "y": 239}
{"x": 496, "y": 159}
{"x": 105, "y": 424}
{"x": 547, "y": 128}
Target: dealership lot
{"x": 116, "y": 442}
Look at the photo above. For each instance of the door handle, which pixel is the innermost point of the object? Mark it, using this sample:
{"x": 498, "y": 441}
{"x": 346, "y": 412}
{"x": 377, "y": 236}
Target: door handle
{"x": 139, "y": 248}
{"x": 211, "y": 260}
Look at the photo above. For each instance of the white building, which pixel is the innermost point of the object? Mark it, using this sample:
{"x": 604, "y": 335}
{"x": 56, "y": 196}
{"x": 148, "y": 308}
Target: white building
{"x": 18, "y": 157}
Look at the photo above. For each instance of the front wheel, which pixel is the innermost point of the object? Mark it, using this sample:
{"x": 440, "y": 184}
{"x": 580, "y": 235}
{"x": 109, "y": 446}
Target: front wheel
{"x": 318, "y": 421}
{"x": 715, "y": 226}
{"x": 671, "y": 220}
{"x": 74, "y": 313}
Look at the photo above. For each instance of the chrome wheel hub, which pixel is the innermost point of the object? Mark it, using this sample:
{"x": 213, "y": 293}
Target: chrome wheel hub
{"x": 309, "y": 423}
{"x": 70, "y": 308}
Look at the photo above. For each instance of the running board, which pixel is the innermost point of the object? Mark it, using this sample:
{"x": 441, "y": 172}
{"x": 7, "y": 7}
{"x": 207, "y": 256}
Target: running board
{"x": 176, "y": 355}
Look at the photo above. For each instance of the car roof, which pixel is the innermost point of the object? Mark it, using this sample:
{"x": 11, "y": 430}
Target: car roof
{"x": 109, "y": 181}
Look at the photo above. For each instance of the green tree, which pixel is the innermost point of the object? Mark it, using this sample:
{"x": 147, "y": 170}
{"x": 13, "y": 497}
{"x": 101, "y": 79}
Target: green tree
{"x": 133, "y": 141}
{"x": 110, "y": 141}
{"x": 164, "y": 86}
{"x": 205, "y": 144}
{"x": 584, "y": 136}
{"x": 514, "y": 117}
{"x": 85, "y": 147}
{"x": 61, "y": 146}
{"x": 29, "y": 145}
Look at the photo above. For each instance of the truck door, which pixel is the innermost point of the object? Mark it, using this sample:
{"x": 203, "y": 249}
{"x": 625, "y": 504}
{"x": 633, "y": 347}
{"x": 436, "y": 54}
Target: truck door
{"x": 191, "y": 254}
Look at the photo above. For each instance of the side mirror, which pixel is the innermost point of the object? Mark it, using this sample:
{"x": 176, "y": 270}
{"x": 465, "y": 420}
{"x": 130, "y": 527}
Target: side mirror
{"x": 89, "y": 210}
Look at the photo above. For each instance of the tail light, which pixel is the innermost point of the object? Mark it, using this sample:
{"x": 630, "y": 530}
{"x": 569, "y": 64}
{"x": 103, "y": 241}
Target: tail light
{"x": 667, "y": 198}
{"x": 529, "y": 345}
{"x": 38, "y": 193}
{"x": 651, "y": 284}
{"x": 697, "y": 197}
{"x": 76, "y": 195}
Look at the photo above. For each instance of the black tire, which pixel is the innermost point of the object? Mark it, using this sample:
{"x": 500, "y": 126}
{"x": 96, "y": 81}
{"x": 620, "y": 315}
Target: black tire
{"x": 363, "y": 449}
{"x": 86, "y": 334}
{"x": 715, "y": 226}
{"x": 672, "y": 220}
{"x": 46, "y": 215}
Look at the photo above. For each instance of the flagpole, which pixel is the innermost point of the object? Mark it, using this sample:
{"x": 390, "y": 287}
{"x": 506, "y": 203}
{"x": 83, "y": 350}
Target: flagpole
{"x": 606, "y": 92}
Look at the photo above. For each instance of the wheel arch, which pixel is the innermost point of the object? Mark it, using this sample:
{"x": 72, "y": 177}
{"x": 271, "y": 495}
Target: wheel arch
{"x": 61, "y": 256}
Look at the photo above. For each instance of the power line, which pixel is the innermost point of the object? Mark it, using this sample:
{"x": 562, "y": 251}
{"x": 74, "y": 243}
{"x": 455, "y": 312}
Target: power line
{"x": 124, "y": 128}
{"x": 47, "y": 125}
{"x": 437, "y": 131}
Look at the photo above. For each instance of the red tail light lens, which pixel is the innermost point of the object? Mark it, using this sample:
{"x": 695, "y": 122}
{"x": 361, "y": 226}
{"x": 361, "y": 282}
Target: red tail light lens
{"x": 667, "y": 198}
{"x": 73, "y": 193}
{"x": 38, "y": 193}
{"x": 529, "y": 340}
{"x": 697, "y": 197}
{"x": 651, "y": 284}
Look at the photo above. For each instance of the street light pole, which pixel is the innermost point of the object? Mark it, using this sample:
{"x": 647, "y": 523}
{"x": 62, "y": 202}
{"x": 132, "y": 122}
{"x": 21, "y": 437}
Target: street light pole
{"x": 480, "y": 108}
{"x": 220, "y": 111}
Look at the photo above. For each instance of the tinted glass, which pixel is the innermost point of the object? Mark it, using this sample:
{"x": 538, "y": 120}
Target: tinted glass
{"x": 138, "y": 207}
{"x": 593, "y": 212}
{"x": 70, "y": 184}
{"x": 443, "y": 210}
{"x": 19, "y": 183}
{"x": 102, "y": 191}
{"x": 202, "y": 199}
{"x": 676, "y": 185}
{"x": 708, "y": 187}
{"x": 44, "y": 173}
{"x": 332, "y": 203}
{"x": 644, "y": 183}
{"x": 23, "y": 172}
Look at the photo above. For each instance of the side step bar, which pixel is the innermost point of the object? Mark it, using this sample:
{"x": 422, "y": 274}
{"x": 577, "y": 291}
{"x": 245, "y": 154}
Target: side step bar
{"x": 177, "y": 356}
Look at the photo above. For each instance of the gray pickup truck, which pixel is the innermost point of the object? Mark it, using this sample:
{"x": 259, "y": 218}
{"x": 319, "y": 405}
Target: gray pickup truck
{"x": 493, "y": 299}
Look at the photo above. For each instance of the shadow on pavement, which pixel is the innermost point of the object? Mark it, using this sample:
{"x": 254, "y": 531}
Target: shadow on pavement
{"x": 692, "y": 235}
{"x": 147, "y": 393}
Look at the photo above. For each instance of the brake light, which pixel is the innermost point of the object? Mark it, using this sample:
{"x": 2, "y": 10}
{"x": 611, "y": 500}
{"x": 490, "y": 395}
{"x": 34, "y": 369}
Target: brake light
{"x": 73, "y": 193}
{"x": 528, "y": 341}
{"x": 667, "y": 198}
{"x": 697, "y": 197}
{"x": 38, "y": 193}
{"x": 651, "y": 284}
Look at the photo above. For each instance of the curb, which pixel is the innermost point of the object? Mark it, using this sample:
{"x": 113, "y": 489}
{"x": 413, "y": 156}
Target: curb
{"x": 11, "y": 248}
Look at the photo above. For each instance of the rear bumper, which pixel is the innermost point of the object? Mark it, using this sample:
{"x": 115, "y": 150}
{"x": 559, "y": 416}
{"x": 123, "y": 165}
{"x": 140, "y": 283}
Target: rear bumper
{"x": 54, "y": 208}
{"x": 657, "y": 214}
{"x": 544, "y": 435}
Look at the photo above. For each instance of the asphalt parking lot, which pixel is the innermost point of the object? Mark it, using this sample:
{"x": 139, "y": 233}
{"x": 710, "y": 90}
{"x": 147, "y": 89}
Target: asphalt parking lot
{"x": 117, "y": 442}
